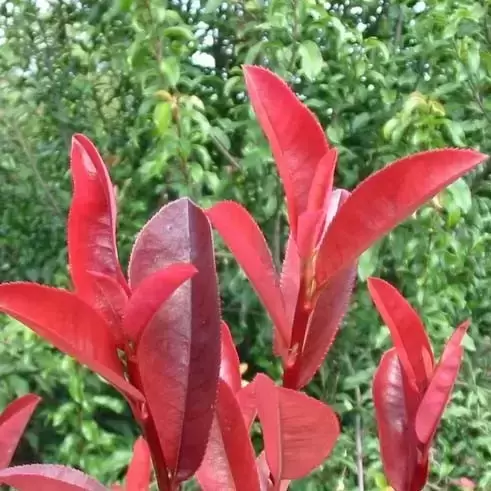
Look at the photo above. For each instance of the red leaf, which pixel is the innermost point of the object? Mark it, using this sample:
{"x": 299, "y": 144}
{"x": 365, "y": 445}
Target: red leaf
{"x": 68, "y": 323}
{"x": 321, "y": 189}
{"x": 246, "y": 397}
{"x": 179, "y": 350}
{"x": 299, "y": 432}
{"x": 297, "y": 139}
{"x": 140, "y": 468}
{"x": 407, "y": 331}
{"x": 13, "y": 422}
{"x": 229, "y": 461}
{"x": 230, "y": 363}
{"x": 45, "y": 477}
{"x": 92, "y": 225}
{"x": 247, "y": 243}
{"x": 438, "y": 394}
{"x": 397, "y": 445}
{"x": 150, "y": 294}
{"x": 264, "y": 473}
{"x": 385, "y": 199}
{"x": 324, "y": 323}
{"x": 290, "y": 281}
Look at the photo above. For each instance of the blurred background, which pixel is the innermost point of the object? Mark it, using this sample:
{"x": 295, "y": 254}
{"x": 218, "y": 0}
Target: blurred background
{"x": 157, "y": 86}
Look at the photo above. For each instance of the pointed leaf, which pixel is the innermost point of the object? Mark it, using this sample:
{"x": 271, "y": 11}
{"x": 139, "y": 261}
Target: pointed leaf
{"x": 324, "y": 323}
{"x": 150, "y": 294}
{"x": 246, "y": 397}
{"x": 264, "y": 472}
{"x": 179, "y": 350}
{"x": 290, "y": 280}
{"x": 229, "y": 461}
{"x": 230, "y": 363}
{"x": 44, "y": 477}
{"x": 297, "y": 140}
{"x": 140, "y": 468}
{"x": 322, "y": 183}
{"x": 438, "y": 394}
{"x": 64, "y": 320}
{"x": 299, "y": 432}
{"x": 407, "y": 331}
{"x": 397, "y": 445}
{"x": 13, "y": 422}
{"x": 247, "y": 243}
{"x": 385, "y": 199}
{"x": 92, "y": 224}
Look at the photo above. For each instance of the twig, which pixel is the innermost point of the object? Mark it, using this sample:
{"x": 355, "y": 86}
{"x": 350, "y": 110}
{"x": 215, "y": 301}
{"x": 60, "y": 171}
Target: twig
{"x": 231, "y": 159}
{"x": 359, "y": 445}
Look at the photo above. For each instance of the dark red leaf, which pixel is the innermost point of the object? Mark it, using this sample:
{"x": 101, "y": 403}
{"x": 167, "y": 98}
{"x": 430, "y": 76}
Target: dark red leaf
{"x": 299, "y": 432}
{"x": 13, "y": 422}
{"x": 397, "y": 444}
{"x": 179, "y": 350}
{"x": 68, "y": 323}
{"x": 324, "y": 323}
{"x": 44, "y": 477}
{"x": 140, "y": 468}
{"x": 407, "y": 331}
{"x": 246, "y": 397}
{"x": 230, "y": 363}
{"x": 438, "y": 394}
{"x": 247, "y": 243}
{"x": 229, "y": 461}
{"x": 385, "y": 199}
{"x": 150, "y": 294}
{"x": 92, "y": 226}
{"x": 296, "y": 138}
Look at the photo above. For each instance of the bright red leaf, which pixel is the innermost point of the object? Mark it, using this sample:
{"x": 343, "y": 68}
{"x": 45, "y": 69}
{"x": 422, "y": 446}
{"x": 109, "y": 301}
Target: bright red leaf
{"x": 70, "y": 325}
{"x": 44, "y": 477}
{"x": 179, "y": 351}
{"x": 296, "y": 138}
{"x": 229, "y": 461}
{"x": 13, "y": 422}
{"x": 246, "y": 241}
{"x": 246, "y": 397}
{"x": 407, "y": 331}
{"x": 230, "y": 363}
{"x": 385, "y": 199}
{"x": 299, "y": 432}
{"x": 92, "y": 226}
{"x": 150, "y": 294}
{"x": 140, "y": 468}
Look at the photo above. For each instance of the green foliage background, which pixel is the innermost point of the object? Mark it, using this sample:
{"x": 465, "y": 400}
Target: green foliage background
{"x": 157, "y": 85}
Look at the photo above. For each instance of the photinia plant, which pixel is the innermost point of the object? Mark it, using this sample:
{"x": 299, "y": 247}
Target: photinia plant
{"x": 410, "y": 390}
{"x": 156, "y": 334}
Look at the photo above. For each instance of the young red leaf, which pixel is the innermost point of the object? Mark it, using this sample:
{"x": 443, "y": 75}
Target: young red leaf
{"x": 150, "y": 294}
{"x": 324, "y": 323}
{"x": 68, "y": 323}
{"x": 45, "y": 477}
{"x": 179, "y": 351}
{"x": 140, "y": 468}
{"x": 230, "y": 363}
{"x": 397, "y": 444}
{"x": 385, "y": 199}
{"x": 264, "y": 475}
{"x": 247, "y": 243}
{"x": 229, "y": 461}
{"x": 296, "y": 138}
{"x": 299, "y": 432}
{"x": 246, "y": 397}
{"x": 13, "y": 422}
{"x": 92, "y": 223}
{"x": 322, "y": 184}
{"x": 438, "y": 394}
{"x": 290, "y": 280}
{"x": 407, "y": 331}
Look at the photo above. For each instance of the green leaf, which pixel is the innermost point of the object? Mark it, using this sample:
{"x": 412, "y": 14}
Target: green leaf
{"x": 221, "y": 137}
{"x": 162, "y": 116}
{"x": 179, "y": 32}
{"x": 468, "y": 343}
{"x": 211, "y": 6}
{"x": 171, "y": 69}
{"x": 367, "y": 264}
{"x": 310, "y": 59}
{"x": 461, "y": 195}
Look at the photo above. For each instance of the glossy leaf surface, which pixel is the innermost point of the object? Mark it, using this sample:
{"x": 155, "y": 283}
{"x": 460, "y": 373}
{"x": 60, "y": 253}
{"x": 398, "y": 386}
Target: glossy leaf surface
{"x": 407, "y": 331}
{"x": 68, "y": 323}
{"x": 13, "y": 422}
{"x": 247, "y": 243}
{"x": 179, "y": 350}
{"x": 296, "y": 138}
{"x": 45, "y": 477}
{"x": 230, "y": 363}
{"x": 229, "y": 461}
{"x": 140, "y": 468}
{"x": 385, "y": 199}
